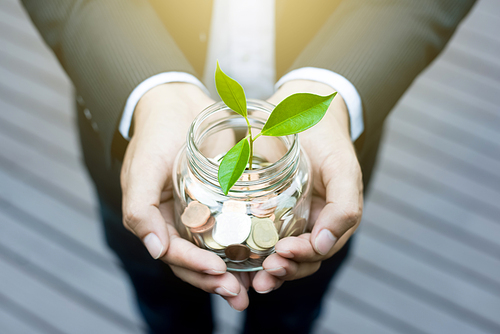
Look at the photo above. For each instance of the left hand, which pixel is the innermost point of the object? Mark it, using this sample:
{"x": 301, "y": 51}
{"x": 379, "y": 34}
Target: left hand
{"x": 337, "y": 202}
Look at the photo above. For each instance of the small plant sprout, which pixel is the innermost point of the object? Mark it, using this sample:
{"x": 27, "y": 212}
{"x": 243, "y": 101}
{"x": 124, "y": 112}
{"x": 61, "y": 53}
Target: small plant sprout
{"x": 296, "y": 113}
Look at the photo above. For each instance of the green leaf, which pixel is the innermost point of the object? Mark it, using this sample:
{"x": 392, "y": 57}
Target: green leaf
{"x": 233, "y": 165}
{"x": 231, "y": 92}
{"x": 296, "y": 113}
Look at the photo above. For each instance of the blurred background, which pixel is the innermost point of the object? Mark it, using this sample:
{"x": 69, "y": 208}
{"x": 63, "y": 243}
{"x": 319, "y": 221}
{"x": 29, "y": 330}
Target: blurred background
{"x": 427, "y": 255}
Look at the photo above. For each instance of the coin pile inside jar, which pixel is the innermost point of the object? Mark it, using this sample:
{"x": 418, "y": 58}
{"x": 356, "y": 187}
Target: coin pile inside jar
{"x": 242, "y": 232}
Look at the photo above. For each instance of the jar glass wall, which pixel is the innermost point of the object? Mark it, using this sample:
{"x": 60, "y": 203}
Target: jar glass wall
{"x": 267, "y": 203}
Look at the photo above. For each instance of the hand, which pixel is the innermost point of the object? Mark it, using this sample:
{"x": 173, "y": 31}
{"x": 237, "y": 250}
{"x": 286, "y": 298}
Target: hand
{"x": 162, "y": 118}
{"x": 337, "y": 201}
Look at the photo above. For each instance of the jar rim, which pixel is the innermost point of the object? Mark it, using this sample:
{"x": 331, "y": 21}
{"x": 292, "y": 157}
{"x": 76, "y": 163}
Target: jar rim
{"x": 211, "y": 169}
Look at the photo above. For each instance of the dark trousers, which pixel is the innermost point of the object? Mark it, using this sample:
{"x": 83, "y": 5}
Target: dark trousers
{"x": 170, "y": 305}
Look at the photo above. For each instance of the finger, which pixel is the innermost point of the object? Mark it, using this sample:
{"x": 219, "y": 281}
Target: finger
{"x": 245, "y": 279}
{"x": 241, "y": 301}
{"x": 183, "y": 253}
{"x": 287, "y": 270}
{"x": 148, "y": 224}
{"x": 300, "y": 249}
{"x": 142, "y": 181}
{"x": 264, "y": 282}
{"x": 344, "y": 201}
{"x": 225, "y": 285}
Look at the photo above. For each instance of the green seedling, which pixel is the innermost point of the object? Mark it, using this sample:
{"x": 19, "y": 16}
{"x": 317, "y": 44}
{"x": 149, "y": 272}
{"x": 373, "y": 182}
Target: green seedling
{"x": 296, "y": 113}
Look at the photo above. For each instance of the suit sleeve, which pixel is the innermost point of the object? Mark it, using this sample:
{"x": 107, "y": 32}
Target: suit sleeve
{"x": 107, "y": 47}
{"x": 380, "y": 46}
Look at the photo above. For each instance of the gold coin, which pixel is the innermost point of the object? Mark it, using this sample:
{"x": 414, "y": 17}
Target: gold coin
{"x": 195, "y": 214}
{"x": 210, "y": 242}
{"x": 197, "y": 241}
{"x": 250, "y": 241}
{"x": 286, "y": 216}
{"x": 301, "y": 225}
{"x": 264, "y": 233}
{"x": 294, "y": 228}
{"x": 237, "y": 252}
{"x": 204, "y": 228}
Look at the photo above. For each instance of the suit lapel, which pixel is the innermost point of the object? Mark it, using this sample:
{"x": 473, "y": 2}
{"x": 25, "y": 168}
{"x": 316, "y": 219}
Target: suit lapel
{"x": 188, "y": 22}
{"x": 297, "y": 22}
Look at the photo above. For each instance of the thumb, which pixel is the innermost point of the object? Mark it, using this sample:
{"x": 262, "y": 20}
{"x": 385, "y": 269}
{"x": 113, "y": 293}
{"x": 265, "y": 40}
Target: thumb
{"x": 143, "y": 179}
{"x": 341, "y": 176}
{"x": 149, "y": 225}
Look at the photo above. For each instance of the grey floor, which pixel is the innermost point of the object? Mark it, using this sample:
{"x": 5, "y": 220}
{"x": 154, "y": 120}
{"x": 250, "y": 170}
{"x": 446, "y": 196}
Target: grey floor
{"x": 427, "y": 257}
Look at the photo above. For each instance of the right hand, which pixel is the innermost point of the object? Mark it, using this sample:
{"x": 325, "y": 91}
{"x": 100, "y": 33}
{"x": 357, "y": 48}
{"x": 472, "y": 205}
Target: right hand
{"x": 162, "y": 118}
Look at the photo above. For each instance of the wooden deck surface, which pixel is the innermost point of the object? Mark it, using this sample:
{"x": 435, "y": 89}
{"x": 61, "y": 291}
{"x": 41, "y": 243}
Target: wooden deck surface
{"x": 427, "y": 256}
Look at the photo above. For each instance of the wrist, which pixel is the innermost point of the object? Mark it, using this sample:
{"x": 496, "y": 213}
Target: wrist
{"x": 166, "y": 99}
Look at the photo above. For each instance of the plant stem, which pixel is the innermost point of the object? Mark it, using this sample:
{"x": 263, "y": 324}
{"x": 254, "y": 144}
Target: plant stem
{"x": 250, "y": 161}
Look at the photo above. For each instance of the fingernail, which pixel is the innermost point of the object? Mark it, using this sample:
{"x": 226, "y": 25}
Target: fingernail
{"x": 324, "y": 241}
{"x": 263, "y": 292}
{"x": 214, "y": 272}
{"x": 225, "y": 292}
{"x": 285, "y": 253}
{"x": 234, "y": 308}
{"x": 280, "y": 271}
{"x": 154, "y": 245}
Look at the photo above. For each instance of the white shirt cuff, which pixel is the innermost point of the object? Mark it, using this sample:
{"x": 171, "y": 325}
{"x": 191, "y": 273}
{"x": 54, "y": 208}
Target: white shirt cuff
{"x": 146, "y": 85}
{"x": 343, "y": 86}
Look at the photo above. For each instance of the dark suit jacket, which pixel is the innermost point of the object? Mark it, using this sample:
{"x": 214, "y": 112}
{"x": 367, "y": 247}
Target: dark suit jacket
{"x": 108, "y": 47}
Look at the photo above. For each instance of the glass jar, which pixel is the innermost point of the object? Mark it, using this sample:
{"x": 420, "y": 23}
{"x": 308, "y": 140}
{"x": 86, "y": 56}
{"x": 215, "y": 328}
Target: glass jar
{"x": 267, "y": 203}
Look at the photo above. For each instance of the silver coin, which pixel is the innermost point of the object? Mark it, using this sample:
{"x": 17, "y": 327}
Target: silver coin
{"x": 231, "y": 228}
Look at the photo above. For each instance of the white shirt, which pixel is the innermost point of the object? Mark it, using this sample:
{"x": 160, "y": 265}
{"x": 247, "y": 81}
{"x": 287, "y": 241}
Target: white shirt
{"x": 242, "y": 38}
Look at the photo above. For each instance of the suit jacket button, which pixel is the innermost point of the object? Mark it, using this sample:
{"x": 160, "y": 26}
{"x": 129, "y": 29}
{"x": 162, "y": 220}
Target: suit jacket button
{"x": 80, "y": 101}
{"x": 87, "y": 113}
{"x": 94, "y": 126}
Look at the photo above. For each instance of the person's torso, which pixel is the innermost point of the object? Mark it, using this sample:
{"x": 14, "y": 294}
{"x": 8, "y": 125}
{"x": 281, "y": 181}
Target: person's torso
{"x": 296, "y": 22}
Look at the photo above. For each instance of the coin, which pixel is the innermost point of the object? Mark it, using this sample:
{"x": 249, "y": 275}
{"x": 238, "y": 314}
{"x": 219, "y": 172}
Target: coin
{"x": 263, "y": 213}
{"x": 250, "y": 240}
{"x": 264, "y": 233}
{"x": 231, "y": 228}
{"x": 300, "y": 226}
{"x": 210, "y": 242}
{"x": 234, "y": 206}
{"x": 285, "y": 218}
{"x": 197, "y": 240}
{"x": 204, "y": 228}
{"x": 237, "y": 252}
{"x": 251, "y": 243}
{"x": 294, "y": 228}
{"x": 254, "y": 256}
{"x": 195, "y": 214}
{"x": 278, "y": 220}
{"x": 189, "y": 191}
{"x": 265, "y": 207}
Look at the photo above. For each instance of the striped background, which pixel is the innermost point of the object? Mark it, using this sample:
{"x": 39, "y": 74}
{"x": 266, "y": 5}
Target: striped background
{"x": 427, "y": 257}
